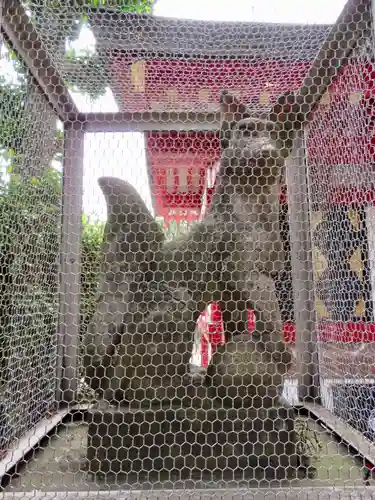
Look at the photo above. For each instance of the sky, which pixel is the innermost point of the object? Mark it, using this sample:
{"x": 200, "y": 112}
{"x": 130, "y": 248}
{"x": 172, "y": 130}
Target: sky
{"x": 281, "y": 11}
{"x": 123, "y": 155}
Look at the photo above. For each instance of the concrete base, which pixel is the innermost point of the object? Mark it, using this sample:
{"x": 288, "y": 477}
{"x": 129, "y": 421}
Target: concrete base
{"x": 186, "y": 443}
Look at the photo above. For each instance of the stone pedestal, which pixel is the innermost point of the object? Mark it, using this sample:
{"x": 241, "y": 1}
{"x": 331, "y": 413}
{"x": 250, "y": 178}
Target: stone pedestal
{"x": 185, "y": 443}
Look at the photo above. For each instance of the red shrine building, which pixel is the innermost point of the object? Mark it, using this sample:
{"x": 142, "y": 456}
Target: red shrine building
{"x": 175, "y": 80}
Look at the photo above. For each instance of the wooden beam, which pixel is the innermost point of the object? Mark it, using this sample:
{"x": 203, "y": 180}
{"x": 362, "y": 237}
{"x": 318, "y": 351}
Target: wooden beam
{"x": 70, "y": 269}
{"x": 302, "y": 272}
{"x": 344, "y": 431}
{"x": 24, "y": 40}
{"x": 148, "y": 121}
{"x": 353, "y": 25}
{"x": 282, "y": 493}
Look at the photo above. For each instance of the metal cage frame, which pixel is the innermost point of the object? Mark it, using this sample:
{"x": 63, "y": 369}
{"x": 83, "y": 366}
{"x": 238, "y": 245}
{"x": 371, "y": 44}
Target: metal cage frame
{"x": 343, "y": 38}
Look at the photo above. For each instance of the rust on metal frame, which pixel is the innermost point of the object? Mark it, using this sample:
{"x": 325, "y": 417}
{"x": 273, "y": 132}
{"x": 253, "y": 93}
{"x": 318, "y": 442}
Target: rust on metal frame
{"x": 21, "y": 35}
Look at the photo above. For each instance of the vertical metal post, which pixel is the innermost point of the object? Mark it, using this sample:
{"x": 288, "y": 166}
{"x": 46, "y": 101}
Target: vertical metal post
{"x": 1, "y": 23}
{"x": 302, "y": 272}
{"x": 70, "y": 262}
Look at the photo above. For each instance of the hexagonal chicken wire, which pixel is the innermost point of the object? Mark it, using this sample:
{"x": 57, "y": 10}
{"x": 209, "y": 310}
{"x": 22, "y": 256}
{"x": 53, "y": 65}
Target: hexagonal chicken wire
{"x": 166, "y": 77}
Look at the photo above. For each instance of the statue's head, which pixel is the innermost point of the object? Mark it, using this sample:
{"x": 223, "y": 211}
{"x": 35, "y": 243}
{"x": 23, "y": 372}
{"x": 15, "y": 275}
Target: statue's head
{"x": 255, "y": 144}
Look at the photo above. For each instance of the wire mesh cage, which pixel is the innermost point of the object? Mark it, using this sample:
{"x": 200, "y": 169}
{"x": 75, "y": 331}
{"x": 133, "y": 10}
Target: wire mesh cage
{"x": 186, "y": 252}
{"x": 30, "y": 252}
{"x": 341, "y": 199}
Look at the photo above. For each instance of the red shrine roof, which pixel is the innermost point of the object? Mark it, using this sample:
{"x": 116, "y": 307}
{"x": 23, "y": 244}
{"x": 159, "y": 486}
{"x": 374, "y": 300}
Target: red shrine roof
{"x": 169, "y": 64}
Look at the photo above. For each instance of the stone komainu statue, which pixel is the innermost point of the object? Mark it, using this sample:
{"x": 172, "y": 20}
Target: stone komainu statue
{"x": 151, "y": 292}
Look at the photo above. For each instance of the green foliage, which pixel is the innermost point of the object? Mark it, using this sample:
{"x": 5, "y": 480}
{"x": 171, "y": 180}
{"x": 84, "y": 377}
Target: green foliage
{"x": 30, "y": 215}
{"x": 68, "y": 18}
{"x": 92, "y": 236}
{"x": 77, "y": 10}
{"x": 92, "y": 66}
{"x": 134, "y": 6}
{"x": 29, "y": 263}
{"x": 30, "y": 207}
{"x": 173, "y": 229}
{"x": 13, "y": 97}
{"x": 30, "y": 218}
{"x": 30, "y": 235}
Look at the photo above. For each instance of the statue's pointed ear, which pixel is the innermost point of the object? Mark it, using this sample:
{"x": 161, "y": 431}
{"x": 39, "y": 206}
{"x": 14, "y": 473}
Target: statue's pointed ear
{"x": 232, "y": 111}
{"x": 230, "y": 104}
{"x": 290, "y": 114}
{"x": 289, "y": 108}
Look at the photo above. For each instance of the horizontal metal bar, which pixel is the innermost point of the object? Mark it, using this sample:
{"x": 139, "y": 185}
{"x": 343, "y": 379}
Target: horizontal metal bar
{"x": 148, "y": 121}
{"x": 21, "y": 35}
{"x": 328, "y": 382}
{"x": 22, "y": 446}
{"x": 345, "y": 431}
{"x": 285, "y": 493}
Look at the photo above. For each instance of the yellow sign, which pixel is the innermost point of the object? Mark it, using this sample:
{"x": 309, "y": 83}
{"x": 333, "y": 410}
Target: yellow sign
{"x": 264, "y": 98}
{"x": 355, "y": 97}
{"x": 321, "y": 264}
{"x": 172, "y": 95}
{"x": 326, "y": 98}
{"x": 203, "y": 95}
{"x": 138, "y": 76}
